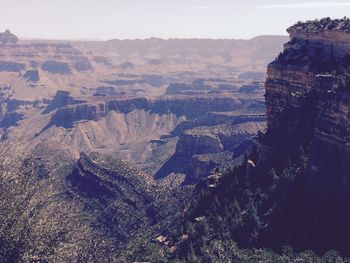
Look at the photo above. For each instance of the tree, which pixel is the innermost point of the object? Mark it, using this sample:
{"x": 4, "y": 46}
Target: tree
{"x": 251, "y": 227}
{"x": 38, "y": 221}
{"x": 272, "y": 181}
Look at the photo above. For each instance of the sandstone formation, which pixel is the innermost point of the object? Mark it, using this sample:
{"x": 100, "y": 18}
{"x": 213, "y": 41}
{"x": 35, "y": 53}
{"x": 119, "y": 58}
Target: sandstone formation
{"x": 201, "y": 149}
{"x": 307, "y": 96}
{"x": 224, "y": 54}
{"x": 32, "y": 75}
{"x": 56, "y": 67}
{"x": 74, "y": 96}
{"x": 9, "y": 66}
{"x": 306, "y": 148}
{"x": 61, "y": 99}
{"x": 82, "y": 65}
{"x": 328, "y": 31}
{"x": 294, "y": 185}
{"x": 7, "y": 38}
{"x": 127, "y": 65}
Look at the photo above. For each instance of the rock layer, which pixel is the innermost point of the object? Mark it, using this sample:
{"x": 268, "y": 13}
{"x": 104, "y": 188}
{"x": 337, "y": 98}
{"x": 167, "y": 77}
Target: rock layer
{"x": 308, "y": 97}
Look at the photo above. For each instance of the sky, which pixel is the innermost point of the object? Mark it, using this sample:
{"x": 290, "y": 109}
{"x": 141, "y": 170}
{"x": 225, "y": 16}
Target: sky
{"x": 131, "y": 19}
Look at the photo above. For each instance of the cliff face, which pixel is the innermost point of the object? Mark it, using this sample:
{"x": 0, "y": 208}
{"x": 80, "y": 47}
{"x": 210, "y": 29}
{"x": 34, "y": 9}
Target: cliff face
{"x": 326, "y": 31}
{"x": 294, "y": 186}
{"x": 70, "y": 110}
{"x": 308, "y": 97}
{"x": 201, "y": 149}
{"x": 149, "y": 132}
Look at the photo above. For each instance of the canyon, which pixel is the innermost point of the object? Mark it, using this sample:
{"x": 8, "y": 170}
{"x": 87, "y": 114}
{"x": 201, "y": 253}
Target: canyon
{"x": 177, "y": 150}
{"x": 135, "y": 99}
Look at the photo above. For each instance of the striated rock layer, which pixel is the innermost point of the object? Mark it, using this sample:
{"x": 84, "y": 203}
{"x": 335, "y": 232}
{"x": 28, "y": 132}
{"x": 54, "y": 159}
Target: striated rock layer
{"x": 308, "y": 98}
{"x": 297, "y": 178}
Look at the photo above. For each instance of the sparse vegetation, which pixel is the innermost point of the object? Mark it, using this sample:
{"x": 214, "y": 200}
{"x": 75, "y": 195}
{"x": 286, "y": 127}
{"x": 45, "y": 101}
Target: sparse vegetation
{"x": 39, "y": 222}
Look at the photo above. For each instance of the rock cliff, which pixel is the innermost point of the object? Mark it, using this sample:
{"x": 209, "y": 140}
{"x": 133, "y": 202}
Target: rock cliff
{"x": 144, "y": 131}
{"x": 201, "y": 149}
{"x": 308, "y": 106}
{"x": 307, "y": 96}
{"x": 294, "y": 186}
{"x": 191, "y": 107}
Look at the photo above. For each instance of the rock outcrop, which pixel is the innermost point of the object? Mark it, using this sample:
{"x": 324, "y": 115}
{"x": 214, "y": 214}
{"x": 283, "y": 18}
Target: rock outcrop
{"x": 56, "y": 67}
{"x": 308, "y": 96}
{"x": 61, "y": 99}
{"x": 82, "y": 65}
{"x": 10, "y": 119}
{"x": 127, "y": 65}
{"x": 296, "y": 179}
{"x": 329, "y": 32}
{"x": 32, "y": 75}
{"x": 123, "y": 193}
{"x": 308, "y": 119}
{"x": 7, "y": 38}
{"x": 10, "y": 111}
{"x": 191, "y": 107}
{"x": 204, "y": 148}
{"x": 10, "y": 66}
{"x": 142, "y": 130}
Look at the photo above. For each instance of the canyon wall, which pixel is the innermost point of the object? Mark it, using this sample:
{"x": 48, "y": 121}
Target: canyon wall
{"x": 308, "y": 98}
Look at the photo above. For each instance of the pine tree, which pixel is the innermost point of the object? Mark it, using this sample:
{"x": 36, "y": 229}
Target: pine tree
{"x": 272, "y": 181}
{"x": 191, "y": 254}
{"x": 215, "y": 205}
{"x": 247, "y": 198}
{"x": 302, "y": 158}
{"x": 252, "y": 225}
{"x": 236, "y": 214}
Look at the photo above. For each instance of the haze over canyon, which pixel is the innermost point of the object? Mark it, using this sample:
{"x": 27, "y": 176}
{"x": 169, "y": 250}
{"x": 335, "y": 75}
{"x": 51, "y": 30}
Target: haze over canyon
{"x": 177, "y": 150}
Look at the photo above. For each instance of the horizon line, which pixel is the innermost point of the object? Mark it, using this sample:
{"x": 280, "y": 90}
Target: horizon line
{"x": 147, "y": 38}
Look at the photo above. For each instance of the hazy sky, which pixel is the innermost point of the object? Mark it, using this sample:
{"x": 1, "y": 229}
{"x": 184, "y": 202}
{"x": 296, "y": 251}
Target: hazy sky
{"x": 108, "y": 19}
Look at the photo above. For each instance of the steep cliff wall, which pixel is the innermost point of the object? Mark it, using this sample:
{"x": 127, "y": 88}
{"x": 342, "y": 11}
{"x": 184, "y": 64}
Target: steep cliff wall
{"x": 308, "y": 106}
{"x": 307, "y": 97}
{"x": 190, "y": 107}
{"x": 294, "y": 186}
{"x": 201, "y": 149}
{"x": 326, "y": 31}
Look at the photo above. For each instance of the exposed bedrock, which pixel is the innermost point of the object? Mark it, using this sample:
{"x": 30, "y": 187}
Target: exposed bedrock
{"x": 31, "y": 75}
{"x": 10, "y": 119}
{"x": 62, "y": 98}
{"x": 10, "y": 66}
{"x": 146, "y": 131}
{"x": 7, "y": 38}
{"x": 68, "y": 115}
{"x": 83, "y": 65}
{"x": 308, "y": 98}
{"x": 202, "y": 149}
{"x": 190, "y": 107}
{"x": 56, "y": 67}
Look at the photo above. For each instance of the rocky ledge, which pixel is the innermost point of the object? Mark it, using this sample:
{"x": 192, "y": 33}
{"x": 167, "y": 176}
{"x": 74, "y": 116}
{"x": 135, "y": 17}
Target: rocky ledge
{"x": 320, "y": 26}
{"x": 201, "y": 149}
{"x": 327, "y": 31}
{"x": 70, "y": 110}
